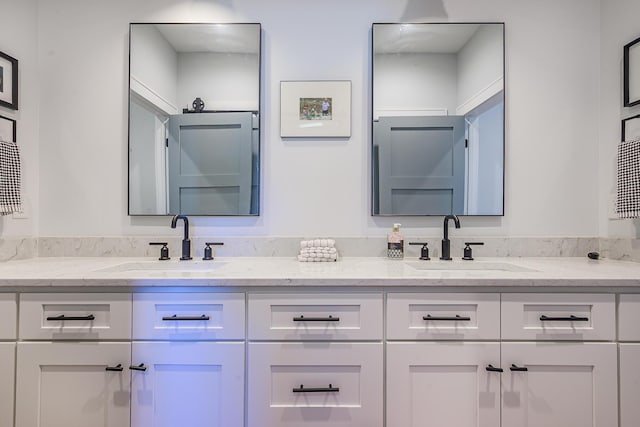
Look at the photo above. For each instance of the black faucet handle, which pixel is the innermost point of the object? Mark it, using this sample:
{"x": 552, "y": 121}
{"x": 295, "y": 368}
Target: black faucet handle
{"x": 164, "y": 250}
{"x": 468, "y": 255}
{"x": 424, "y": 251}
{"x": 208, "y": 253}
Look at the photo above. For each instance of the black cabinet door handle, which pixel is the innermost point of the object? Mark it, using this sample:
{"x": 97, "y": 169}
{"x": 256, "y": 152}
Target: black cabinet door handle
{"x": 63, "y": 317}
{"x": 571, "y": 318}
{"x": 176, "y": 317}
{"x": 330, "y": 389}
{"x": 454, "y": 318}
{"x": 491, "y": 368}
{"x": 516, "y": 368}
{"x": 316, "y": 319}
{"x": 116, "y": 368}
{"x": 139, "y": 367}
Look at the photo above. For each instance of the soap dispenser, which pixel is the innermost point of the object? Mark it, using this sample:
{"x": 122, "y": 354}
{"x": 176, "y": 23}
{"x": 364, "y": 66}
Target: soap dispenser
{"x": 395, "y": 243}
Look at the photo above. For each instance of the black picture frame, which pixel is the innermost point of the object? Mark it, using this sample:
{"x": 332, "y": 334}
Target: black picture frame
{"x": 631, "y": 124}
{"x": 8, "y": 81}
{"x": 632, "y": 73}
{"x": 8, "y": 127}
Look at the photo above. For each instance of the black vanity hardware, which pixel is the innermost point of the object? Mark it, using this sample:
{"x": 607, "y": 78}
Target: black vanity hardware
{"x": 62, "y": 317}
{"x": 139, "y": 367}
{"x": 424, "y": 251}
{"x": 571, "y": 318}
{"x": 516, "y": 368}
{"x": 491, "y": 368}
{"x": 468, "y": 255}
{"x": 176, "y": 317}
{"x": 208, "y": 253}
{"x": 316, "y": 319}
{"x": 164, "y": 250}
{"x": 330, "y": 389}
{"x": 116, "y": 368}
{"x": 453, "y": 319}
{"x": 186, "y": 243}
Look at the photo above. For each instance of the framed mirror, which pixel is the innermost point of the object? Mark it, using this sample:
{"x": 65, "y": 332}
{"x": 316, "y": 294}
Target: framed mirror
{"x": 194, "y": 119}
{"x": 438, "y": 119}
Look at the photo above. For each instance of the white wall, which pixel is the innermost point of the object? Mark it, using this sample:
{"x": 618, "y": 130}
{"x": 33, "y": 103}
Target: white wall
{"x": 18, "y": 38}
{"x": 320, "y": 187}
{"x": 619, "y": 26}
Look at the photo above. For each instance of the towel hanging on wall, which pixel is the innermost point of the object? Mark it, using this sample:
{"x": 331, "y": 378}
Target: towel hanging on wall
{"x": 10, "y": 199}
{"x": 628, "y": 195}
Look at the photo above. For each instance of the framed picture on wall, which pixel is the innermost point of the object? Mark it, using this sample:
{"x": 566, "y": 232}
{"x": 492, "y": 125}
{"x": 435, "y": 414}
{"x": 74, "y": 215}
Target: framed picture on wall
{"x": 631, "y": 128}
{"x": 7, "y": 129}
{"x": 315, "y": 109}
{"x": 632, "y": 73}
{"x": 8, "y": 81}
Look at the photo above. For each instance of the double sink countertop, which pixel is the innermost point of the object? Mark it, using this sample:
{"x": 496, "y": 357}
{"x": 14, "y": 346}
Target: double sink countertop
{"x": 558, "y": 272}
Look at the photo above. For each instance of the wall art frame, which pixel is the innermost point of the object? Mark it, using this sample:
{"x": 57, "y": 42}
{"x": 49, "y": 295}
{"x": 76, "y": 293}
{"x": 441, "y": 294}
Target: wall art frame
{"x": 631, "y": 128}
{"x": 632, "y": 73}
{"x": 8, "y": 131}
{"x": 315, "y": 109}
{"x": 8, "y": 81}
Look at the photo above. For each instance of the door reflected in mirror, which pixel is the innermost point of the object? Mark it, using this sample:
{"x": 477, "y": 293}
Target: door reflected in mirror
{"x": 194, "y": 119}
{"x": 438, "y": 119}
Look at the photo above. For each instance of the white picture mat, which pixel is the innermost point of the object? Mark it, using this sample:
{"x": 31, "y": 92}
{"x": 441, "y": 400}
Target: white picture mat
{"x": 6, "y": 129}
{"x": 634, "y": 73}
{"x": 632, "y": 129}
{"x": 6, "y": 94}
{"x": 292, "y": 91}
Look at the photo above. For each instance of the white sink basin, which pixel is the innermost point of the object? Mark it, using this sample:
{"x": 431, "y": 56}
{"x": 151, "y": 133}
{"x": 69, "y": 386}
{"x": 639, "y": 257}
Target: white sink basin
{"x": 466, "y": 266}
{"x": 180, "y": 266}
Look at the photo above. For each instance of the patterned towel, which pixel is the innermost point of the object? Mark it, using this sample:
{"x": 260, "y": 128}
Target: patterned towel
{"x": 10, "y": 200}
{"x": 628, "y": 197}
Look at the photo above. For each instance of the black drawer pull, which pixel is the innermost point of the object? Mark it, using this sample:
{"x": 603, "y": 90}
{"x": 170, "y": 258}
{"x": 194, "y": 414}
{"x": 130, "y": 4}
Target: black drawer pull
{"x": 139, "y": 367}
{"x": 491, "y": 368}
{"x": 330, "y": 389}
{"x": 516, "y": 368}
{"x": 176, "y": 317}
{"x": 316, "y": 319}
{"x": 455, "y": 318}
{"x": 571, "y": 318}
{"x": 116, "y": 368}
{"x": 63, "y": 317}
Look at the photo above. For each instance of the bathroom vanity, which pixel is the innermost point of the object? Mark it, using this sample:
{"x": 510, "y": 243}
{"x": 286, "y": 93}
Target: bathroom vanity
{"x": 360, "y": 342}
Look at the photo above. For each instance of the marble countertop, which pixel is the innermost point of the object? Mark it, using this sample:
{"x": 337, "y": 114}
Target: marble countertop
{"x": 285, "y": 272}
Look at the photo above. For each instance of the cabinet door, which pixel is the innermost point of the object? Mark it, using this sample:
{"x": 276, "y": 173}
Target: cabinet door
{"x": 629, "y": 385}
{"x": 315, "y": 384}
{"x": 8, "y": 317}
{"x": 565, "y": 385}
{"x": 7, "y": 381}
{"x": 444, "y": 383}
{"x": 188, "y": 383}
{"x": 70, "y": 385}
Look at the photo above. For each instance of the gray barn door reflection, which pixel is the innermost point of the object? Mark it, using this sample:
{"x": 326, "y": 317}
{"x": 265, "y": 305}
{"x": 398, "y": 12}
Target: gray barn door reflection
{"x": 210, "y": 163}
{"x": 421, "y": 165}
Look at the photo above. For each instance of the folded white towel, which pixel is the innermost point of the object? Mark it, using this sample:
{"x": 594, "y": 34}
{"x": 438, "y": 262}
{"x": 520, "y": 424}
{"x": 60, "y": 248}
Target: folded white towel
{"x": 318, "y": 243}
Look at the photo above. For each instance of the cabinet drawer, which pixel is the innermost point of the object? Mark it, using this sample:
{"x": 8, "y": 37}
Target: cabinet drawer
{"x": 315, "y": 317}
{"x": 63, "y": 316}
{"x": 629, "y": 317}
{"x": 424, "y": 316}
{"x": 8, "y": 313}
{"x": 315, "y": 384}
{"x": 558, "y": 317}
{"x": 188, "y": 316}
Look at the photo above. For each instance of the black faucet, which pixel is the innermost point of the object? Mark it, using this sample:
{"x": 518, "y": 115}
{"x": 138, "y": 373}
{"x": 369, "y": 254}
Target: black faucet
{"x": 186, "y": 243}
{"x": 446, "y": 245}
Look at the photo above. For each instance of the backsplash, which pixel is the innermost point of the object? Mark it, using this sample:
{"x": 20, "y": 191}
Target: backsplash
{"x": 22, "y": 248}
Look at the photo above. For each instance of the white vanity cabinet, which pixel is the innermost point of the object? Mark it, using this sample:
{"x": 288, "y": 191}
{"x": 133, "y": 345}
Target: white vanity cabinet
{"x": 629, "y": 359}
{"x": 8, "y": 310}
{"x": 189, "y": 359}
{"x": 66, "y": 374}
{"x": 566, "y": 376}
{"x": 315, "y": 360}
